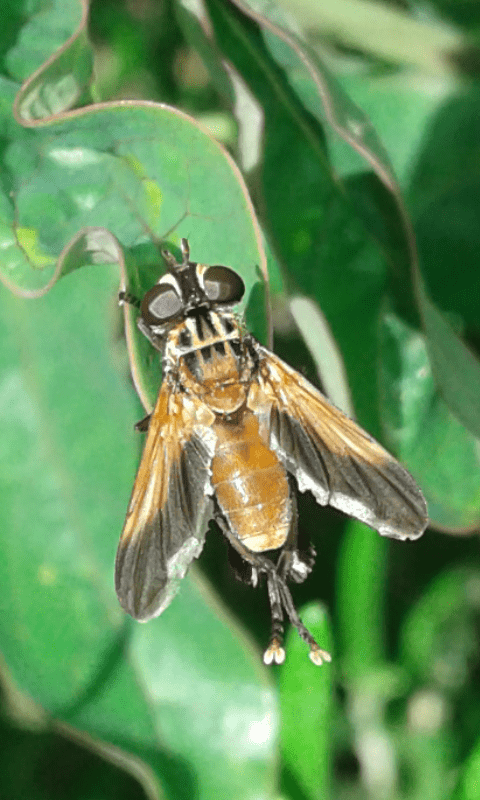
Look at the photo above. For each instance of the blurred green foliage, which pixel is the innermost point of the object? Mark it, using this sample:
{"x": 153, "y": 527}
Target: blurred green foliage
{"x": 315, "y": 102}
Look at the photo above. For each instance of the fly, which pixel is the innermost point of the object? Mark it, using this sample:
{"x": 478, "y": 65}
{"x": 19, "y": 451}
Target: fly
{"x": 231, "y": 424}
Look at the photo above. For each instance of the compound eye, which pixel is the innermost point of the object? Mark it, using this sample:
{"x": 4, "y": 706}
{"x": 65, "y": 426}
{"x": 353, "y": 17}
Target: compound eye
{"x": 223, "y": 285}
{"x": 160, "y": 304}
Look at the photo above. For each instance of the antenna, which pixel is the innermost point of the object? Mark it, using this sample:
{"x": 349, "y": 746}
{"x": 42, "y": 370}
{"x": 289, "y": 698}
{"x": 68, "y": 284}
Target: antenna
{"x": 171, "y": 261}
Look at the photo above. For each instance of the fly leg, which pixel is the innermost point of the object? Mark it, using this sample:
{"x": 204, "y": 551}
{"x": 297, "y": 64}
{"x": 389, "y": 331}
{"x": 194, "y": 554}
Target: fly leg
{"x": 142, "y": 426}
{"x": 275, "y": 652}
{"x": 296, "y": 566}
{"x": 317, "y": 655}
{"x": 278, "y": 594}
{"x": 125, "y": 298}
{"x": 129, "y": 299}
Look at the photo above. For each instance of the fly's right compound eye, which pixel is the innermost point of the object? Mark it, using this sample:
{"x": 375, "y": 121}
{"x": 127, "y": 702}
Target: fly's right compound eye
{"x": 160, "y": 304}
{"x": 223, "y": 285}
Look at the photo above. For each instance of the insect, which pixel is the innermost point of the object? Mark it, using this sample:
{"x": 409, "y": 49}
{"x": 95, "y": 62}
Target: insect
{"x": 231, "y": 426}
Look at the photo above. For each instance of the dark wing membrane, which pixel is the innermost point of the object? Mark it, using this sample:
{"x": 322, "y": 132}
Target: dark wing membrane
{"x": 331, "y": 456}
{"x": 170, "y": 507}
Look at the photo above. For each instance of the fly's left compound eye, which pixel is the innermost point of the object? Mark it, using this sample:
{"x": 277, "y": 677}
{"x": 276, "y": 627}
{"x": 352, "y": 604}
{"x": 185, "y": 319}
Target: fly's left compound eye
{"x": 223, "y": 285}
{"x": 160, "y": 304}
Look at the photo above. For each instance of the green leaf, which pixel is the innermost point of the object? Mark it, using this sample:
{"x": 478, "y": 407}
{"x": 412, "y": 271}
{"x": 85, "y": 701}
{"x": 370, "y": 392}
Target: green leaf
{"x": 456, "y": 369}
{"x": 188, "y": 696}
{"x": 440, "y": 635}
{"x": 464, "y": 13}
{"x": 362, "y": 25}
{"x": 306, "y": 702}
{"x": 444, "y": 195}
{"x": 139, "y": 170}
{"x": 53, "y": 430}
{"x": 361, "y": 587}
{"x": 471, "y": 775}
{"x": 387, "y": 97}
{"x": 442, "y": 455}
{"x": 40, "y": 29}
{"x": 46, "y": 766}
{"x": 191, "y": 17}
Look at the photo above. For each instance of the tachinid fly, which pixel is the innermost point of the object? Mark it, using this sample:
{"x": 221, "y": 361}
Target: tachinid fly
{"x": 231, "y": 423}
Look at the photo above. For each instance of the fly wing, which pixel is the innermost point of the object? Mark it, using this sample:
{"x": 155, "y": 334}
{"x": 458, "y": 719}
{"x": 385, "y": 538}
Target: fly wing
{"x": 170, "y": 507}
{"x": 332, "y": 456}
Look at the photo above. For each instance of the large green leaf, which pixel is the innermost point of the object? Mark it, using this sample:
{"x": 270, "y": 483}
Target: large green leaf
{"x": 138, "y": 169}
{"x": 143, "y": 172}
{"x": 160, "y": 691}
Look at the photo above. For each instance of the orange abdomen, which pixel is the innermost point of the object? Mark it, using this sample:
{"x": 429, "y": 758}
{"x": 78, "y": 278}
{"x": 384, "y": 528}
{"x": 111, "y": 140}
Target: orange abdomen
{"x": 250, "y": 485}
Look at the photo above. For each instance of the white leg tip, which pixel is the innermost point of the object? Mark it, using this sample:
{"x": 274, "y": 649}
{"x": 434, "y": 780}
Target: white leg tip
{"x": 318, "y": 656}
{"x": 274, "y": 654}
